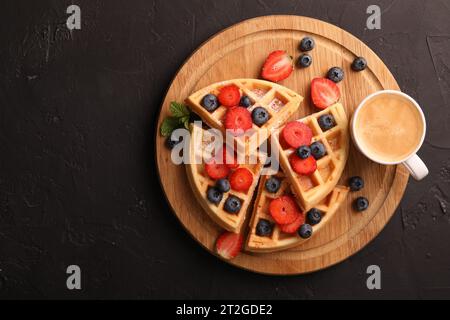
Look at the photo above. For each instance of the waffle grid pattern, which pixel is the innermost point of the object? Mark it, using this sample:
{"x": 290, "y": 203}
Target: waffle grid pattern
{"x": 312, "y": 189}
{"x": 278, "y": 240}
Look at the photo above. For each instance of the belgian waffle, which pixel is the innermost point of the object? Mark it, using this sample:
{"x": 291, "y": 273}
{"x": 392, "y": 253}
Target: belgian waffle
{"x": 279, "y": 101}
{"x": 279, "y": 240}
{"x": 200, "y": 182}
{"x": 310, "y": 190}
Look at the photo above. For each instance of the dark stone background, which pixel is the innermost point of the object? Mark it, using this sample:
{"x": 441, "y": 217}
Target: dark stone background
{"x": 78, "y": 182}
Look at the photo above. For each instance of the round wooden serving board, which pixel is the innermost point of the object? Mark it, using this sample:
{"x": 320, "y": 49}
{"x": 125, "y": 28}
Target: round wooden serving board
{"x": 239, "y": 52}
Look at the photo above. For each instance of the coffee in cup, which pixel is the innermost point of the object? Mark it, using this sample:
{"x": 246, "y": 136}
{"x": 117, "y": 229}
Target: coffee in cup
{"x": 389, "y": 128}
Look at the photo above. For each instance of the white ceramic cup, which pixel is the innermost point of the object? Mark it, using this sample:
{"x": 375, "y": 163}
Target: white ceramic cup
{"x": 412, "y": 162}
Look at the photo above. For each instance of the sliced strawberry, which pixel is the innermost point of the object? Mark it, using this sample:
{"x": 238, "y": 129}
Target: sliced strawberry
{"x": 297, "y": 134}
{"x": 284, "y": 210}
{"x": 324, "y": 93}
{"x": 301, "y": 166}
{"x": 229, "y": 158}
{"x": 229, "y": 244}
{"x": 241, "y": 180}
{"x": 293, "y": 227}
{"x": 278, "y": 66}
{"x": 215, "y": 170}
{"x": 238, "y": 120}
{"x": 229, "y": 96}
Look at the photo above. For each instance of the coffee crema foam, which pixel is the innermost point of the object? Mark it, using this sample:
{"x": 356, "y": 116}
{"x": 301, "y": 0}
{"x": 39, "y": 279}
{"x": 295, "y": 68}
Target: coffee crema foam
{"x": 389, "y": 128}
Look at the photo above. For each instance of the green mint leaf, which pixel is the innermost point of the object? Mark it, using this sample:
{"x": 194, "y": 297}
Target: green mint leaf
{"x": 168, "y": 125}
{"x": 185, "y": 122}
{"x": 178, "y": 110}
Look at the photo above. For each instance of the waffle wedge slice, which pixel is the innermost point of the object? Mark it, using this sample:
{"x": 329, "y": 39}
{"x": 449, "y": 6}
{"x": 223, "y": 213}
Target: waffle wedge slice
{"x": 279, "y": 240}
{"x": 279, "y": 101}
{"x": 310, "y": 190}
{"x": 200, "y": 181}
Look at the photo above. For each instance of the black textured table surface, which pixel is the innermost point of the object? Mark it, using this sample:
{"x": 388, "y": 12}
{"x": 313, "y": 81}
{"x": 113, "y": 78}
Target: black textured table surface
{"x": 78, "y": 181}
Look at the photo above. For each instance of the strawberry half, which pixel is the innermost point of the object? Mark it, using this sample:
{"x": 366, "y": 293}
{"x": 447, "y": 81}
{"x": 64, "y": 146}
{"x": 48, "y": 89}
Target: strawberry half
{"x": 278, "y": 66}
{"x": 293, "y": 227}
{"x": 284, "y": 210}
{"x": 297, "y": 134}
{"x": 304, "y": 167}
{"x": 238, "y": 120}
{"x": 229, "y": 244}
{"x": 324, "y": 93}
{"x": 229, "y": 96}
{"x": 241, "y": 180}
{"x": 215, "y": 170}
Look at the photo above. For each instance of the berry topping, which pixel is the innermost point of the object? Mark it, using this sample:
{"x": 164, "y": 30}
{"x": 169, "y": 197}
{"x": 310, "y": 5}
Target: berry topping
{"x": 260, "y": 116}
{"x": 264, "y": 228}
{"x": 241, "y": 179}
{"x": 305, "y": 231}
{"x": 304, "y": 61}
{"x": 232, "y": 204}
{"x": 214, "y": 195}
{"x": 326, "y": 122}
{"x": 361, "y": 204}
{"x": 229, "y": 96}
{"x": 284, "y": 210}
{"x": 359, "y": 64}
{"x": 172, "y": 140}
{"x": 307, "y": 44}
{"x": 301, "y": 166}
{"x": 245, "y": 102}
{"x": 335, "y": 74}
{"x": 356, "y": 183}
{"x": 303, "y": 152}
{"x": 324, "y": 93}
{"x": 293, "y": 227}
{"x": 229, "y": 244}
{"x": 314, "y": 216}
{"x": 215, "y": 170}
{"x": 238, "y": 120}
{"x": 297, "y": 134}
{"x": 278, "y": 66}
{"x": 272, "y": 184}
{"x": 318, "y": 150}
{"x": 223, "y": 185}
{"x": 210, "y": 102}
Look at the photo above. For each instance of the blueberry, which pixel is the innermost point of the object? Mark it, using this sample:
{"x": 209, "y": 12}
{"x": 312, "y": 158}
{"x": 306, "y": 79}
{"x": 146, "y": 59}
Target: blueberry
{"x": 272, "y": 184}
{"x": 326, "y": 122}
{"x": 335, "y": 74}
{"x": 264, "y": 228}
{"x": 318, "y": 150}
{"x": 307, "y": 44}
{"x": 360, "y": 204}
{"x": 223, "y": 185}
{"x": 214, "y": 195}
{"x": 245, "y": 102}
{"x": 172, "y": 141}
{"x": 232, "y": 205}
{"x": 304, "y": 61}
{"x": 303, "y": 152}
{"x": 260, "y": 116}
{"x": 305, "y": 231}
{"x": 359, "y": 64}
{"x": 314, "y": 216}
{"x": 356, "y": 183}
{"x": 210, "y": 102}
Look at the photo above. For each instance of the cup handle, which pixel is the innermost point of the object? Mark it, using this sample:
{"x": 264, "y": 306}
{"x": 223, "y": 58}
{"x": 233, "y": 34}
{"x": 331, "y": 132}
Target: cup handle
{"x": 416, "y": 167}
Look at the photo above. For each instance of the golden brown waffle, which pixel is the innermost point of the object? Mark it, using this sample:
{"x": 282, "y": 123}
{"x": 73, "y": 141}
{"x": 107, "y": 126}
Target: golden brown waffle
{"x": 200, "y": 182}
{"x": 279, "y": 101}
{"x": 279, "y": 240}
{"x": 310, "y": 190}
